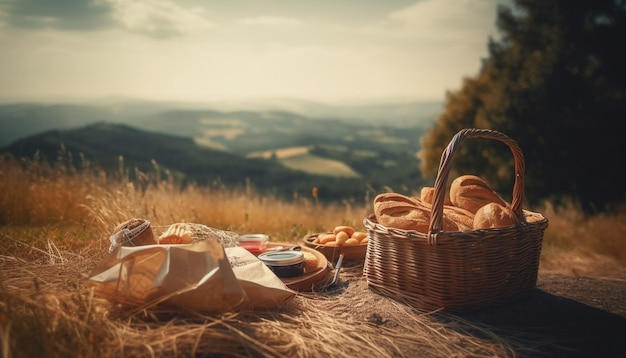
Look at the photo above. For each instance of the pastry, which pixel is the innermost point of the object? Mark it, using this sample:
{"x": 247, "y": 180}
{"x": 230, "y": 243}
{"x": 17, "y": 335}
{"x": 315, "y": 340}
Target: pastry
{"x": 133, "y": 232}
{"x": 179, "y": 233}
{"x": 310, "y": 261}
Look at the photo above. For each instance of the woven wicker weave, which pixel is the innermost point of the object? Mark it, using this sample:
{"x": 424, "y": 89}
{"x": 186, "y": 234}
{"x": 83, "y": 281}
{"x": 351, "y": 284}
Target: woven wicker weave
{"x": 457, "y": 271}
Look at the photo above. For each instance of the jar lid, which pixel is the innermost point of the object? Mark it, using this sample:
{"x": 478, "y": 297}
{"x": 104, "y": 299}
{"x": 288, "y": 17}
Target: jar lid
{"x": 282, "y": 258}
{"x": 253, "y": 237}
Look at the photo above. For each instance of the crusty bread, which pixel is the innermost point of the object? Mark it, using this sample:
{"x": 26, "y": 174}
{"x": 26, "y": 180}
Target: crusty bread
{"x": 471, "y": 192}
{"x": 178, "y": 233}
{"x": 396, "y": 197}
{"x": 133, "y": 232}
{"x": 493, "y": 215}
{"x": 310, "y": 261}
{"x": 457, "y": 219}
{"x": 401, "y": 212}
{"x": 404, "y": 217}
{"x": 410, "y": 213}
{"x": 427, "y": 195}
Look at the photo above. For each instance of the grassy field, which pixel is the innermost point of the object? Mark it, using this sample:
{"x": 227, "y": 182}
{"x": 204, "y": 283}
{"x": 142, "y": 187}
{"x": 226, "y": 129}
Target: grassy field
{"x": 298, "y": 158}
{"x": 54, "y": 227}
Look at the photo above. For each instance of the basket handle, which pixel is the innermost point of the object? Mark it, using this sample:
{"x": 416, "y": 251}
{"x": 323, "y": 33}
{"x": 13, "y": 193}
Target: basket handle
{"x": 436, "y": 214}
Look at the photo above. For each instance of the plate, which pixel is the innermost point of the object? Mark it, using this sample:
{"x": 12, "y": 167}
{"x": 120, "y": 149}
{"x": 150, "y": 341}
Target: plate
{"x": 309, "y": 278}
{"x": 332, "y": 253}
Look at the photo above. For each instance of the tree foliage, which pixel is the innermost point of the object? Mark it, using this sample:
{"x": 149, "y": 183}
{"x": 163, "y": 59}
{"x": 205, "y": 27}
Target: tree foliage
{"x": 555, "y": 82}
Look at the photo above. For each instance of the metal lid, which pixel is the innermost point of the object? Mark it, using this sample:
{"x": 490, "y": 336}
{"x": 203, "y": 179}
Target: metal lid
{"x": 282, "y": 258}
{"x": 253, "y": 237}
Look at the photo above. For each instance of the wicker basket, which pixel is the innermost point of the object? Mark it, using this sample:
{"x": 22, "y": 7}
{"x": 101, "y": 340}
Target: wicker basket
{"x": 457, "y": 271}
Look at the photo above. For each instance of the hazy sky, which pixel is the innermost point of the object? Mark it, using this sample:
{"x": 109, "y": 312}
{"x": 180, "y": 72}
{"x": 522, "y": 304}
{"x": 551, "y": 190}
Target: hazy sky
{"x": 240, "y": 49}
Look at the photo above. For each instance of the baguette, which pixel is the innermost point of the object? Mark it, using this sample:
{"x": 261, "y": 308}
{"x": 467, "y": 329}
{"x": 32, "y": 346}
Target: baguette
{"x": 410, "y": 213}
{"x": 471, "y": 192}
{"x": 401, "y": 212}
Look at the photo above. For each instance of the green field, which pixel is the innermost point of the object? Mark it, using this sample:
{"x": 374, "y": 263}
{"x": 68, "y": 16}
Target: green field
{"x": 320, "y": 166}
{"x": 298, "y": 158}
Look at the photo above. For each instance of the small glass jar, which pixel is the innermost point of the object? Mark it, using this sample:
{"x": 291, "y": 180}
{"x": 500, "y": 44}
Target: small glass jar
{"x": 255, "y": 243}
{"x": 284, "y": 263}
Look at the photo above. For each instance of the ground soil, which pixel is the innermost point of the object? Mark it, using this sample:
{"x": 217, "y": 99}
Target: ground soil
{"x": 564, "y": 316}
{"x": 576, "y": 316}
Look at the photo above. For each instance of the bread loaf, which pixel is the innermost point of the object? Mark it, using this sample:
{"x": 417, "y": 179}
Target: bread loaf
{"x": 457, "y": 219}
{"x": 133, "y": 232}
{"x": 395, "y": 198}
{"x": 178, "y": 233}
{"x": 471, "y": 192}
{"x": 405, "y": 217}
{"x": 401, "y": 212}
{"x": 427, "y": 195}
{"x": 410, "y": 213}
{"x": 493, "y": 215}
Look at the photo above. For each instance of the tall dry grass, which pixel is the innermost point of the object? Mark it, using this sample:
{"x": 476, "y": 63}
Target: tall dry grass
{"x": 74, "y": 207}
{"x": 55, "y": 221}
{"x": 35, "y": 194}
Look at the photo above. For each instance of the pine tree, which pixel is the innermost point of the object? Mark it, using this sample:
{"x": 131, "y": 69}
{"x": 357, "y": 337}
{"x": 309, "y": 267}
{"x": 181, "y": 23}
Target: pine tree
{"x": 556, "y": 83}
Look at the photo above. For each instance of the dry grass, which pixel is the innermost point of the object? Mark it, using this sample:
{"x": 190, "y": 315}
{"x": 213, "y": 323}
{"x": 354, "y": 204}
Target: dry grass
{"x": 54, "y": 227}
{"x": 593, "y": 246}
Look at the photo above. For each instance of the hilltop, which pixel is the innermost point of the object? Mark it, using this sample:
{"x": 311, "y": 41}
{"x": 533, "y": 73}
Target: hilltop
{"x": 278, "y": 152}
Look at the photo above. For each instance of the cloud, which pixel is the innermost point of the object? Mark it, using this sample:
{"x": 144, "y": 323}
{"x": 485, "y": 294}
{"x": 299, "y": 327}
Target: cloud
{"x": 303, "y": 50}
{"x": 440, "y": 21}
{"x": 154, "y": 18}
{"x": 61, "y": 14}
{"x": 157, "y": 18}
{"x": 269, "y": 20}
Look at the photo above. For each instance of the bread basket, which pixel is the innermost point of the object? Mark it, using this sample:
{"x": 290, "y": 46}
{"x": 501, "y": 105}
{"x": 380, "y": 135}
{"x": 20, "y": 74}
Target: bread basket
{"x": 451, "y": 270}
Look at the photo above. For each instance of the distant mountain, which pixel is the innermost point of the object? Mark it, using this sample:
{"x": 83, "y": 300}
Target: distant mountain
{"x": 102, "y": 144}
{"x": 345, "y": 149}
{"x": 20, "y": 120}
{"x": 389, "y": 112}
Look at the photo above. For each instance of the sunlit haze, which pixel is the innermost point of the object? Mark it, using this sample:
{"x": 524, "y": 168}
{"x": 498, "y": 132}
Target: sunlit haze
{"x": 192, "y": 50}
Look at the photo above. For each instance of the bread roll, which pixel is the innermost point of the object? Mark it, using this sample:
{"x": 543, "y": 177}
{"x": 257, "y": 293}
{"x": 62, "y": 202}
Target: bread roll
{"x": 471, "y": 192}
{"x": 341, "y": 237}
{"x": 493, "y": 215}
{"x": 179, "y": 233}
{"x": 310, "y": 261}
{"x": 427, "y": 195}
{"x": 359, "y": 235}
{"x": 133, "y": 232}
{"x": 457, "y": 219}
{"x": 345, "y": 228}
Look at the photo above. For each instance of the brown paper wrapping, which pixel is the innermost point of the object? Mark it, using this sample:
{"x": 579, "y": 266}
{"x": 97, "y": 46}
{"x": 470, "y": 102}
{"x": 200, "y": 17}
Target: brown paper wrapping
{"x": 197, "y": 277}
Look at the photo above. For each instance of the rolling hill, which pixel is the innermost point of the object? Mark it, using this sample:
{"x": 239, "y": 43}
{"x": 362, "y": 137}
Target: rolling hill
{"x": 103, "y": 144}
{"x": 343, "y": 150}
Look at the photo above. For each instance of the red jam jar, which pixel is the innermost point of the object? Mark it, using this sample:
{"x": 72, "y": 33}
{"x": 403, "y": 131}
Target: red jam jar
{"x": 255, "y": 243}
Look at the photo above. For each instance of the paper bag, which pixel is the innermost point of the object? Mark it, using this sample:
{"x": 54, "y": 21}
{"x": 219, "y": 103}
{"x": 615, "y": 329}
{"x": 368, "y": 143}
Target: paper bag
{"x": 196, "y": 277}
{"x": 202, "y": 277}
{"x": 263, "y": 288}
